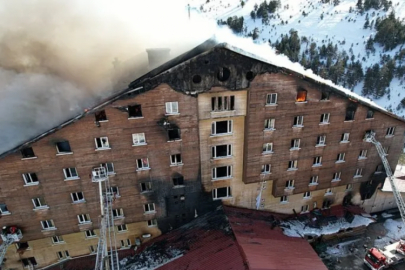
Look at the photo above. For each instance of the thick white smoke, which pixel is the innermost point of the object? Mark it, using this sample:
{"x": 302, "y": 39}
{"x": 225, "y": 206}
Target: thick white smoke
{"x": 59, "y": 57}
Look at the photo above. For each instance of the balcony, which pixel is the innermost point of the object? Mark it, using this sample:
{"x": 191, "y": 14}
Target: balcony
{"x": 98, "y": 175}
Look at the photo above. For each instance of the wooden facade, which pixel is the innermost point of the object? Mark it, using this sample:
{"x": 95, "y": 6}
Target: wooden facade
{"x": 188, "y": 174}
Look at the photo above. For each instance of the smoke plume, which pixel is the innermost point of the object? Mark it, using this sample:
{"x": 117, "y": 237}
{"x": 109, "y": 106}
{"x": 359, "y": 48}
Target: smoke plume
{"x": 59, "y": 57}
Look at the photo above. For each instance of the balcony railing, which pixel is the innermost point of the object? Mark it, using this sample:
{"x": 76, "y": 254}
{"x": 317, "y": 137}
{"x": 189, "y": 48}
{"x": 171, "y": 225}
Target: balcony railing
{"x": 99, "y": 174}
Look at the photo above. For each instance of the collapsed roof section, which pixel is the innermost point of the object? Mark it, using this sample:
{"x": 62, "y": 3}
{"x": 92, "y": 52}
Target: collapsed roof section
{"x": 234, "y": 68}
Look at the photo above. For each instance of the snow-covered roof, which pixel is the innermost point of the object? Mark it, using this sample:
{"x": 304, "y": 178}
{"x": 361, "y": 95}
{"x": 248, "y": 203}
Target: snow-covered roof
{"x": 399, "y": 180}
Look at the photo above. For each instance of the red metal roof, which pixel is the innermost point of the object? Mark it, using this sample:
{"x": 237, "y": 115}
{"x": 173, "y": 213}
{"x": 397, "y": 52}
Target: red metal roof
{"x": 266, "y": 248}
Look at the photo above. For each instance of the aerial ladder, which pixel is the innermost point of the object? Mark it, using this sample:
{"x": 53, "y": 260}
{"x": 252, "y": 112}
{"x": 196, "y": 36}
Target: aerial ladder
{"x": 9, "y": 235}
{"x": 106, "y": 259}
{"x": 394, "y": 253}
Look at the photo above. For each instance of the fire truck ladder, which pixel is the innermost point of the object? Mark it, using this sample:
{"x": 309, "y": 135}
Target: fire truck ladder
{"x": 105, "y": 260}
{"x": 370, "y": 137}
{"x": 8, "y": 240}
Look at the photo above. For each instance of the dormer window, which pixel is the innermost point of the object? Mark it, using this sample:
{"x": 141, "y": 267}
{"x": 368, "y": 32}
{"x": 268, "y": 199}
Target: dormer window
{"x": 301, "y": 95}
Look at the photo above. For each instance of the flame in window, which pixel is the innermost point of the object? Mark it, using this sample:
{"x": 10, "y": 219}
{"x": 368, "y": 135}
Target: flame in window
{"x": 301, "y": 96}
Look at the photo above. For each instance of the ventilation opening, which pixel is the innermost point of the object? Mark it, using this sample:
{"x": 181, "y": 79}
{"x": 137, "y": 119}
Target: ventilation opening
{"x": 224, "y": 74}
{"x": 196, "y": 79}
{"x": 250, "y": 75}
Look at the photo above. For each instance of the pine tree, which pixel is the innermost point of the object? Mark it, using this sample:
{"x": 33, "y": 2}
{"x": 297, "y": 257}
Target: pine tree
{"x": 359, "y": 4}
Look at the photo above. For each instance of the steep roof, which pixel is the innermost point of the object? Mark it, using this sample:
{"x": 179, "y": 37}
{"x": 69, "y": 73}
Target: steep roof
{"x": 228, "y": 238}
{"x": 261, "y": 53}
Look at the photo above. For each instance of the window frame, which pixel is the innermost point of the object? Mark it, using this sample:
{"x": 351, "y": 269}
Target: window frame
{"x": 328, "y": 191}
{"x": 294, "y": 163}
{"x": 90, "y": 234}
{"x": 325, "y": 119}
{"x": 363, "y": 154}
{"x": 142, "y": 168}
{"x": 345, "y": 138}
{"x": 270, "y": 124}
{"x": 65, "y": 170}
{"x": 107, "y": 166}
{"x": 100, "y": 114}
{"x": 214, "y": 151}
{"x": 147, "y": 208}
{"x": 284, "y": 199}
{"x": 31, "y": 182}
{"x": 104, "y": 145}
{"x": 304, "y": 93}
{"x": 341, "y": 157}
{"x": 390, "y": 132}
{"x": 171, "y": 109}
{"x": 229, "y": 128}
{"x": 307, "y": 195}
{"x": 176, "y": 160}
{"x": 266, "y": 169}
{"x": 337, "y": 176}
{"x": 358, "y": 173}
{"x": 314, "y": 180}
{"x": 58, "y": 152}
{"x": 139, "y": 139}
{"x": 146, "y": 187}
{"x": 289, "y": 184}
{"x": 214, "y": 172}
{"x": 84, "y": 219}
{"x": 50, "y": 225}
{"x": 5, "y": 211}
{"x": 40, "y": 200}
{"x": 63, "y": 255}
{"x": 304, "y": 208}
{"x": 134, "y": 108}
{"x": 152, "y": 222}
{"x": 72, "y": 194}
{"x": 59, "y": 239}
{"x": 267, "y": 148}
{"x": 271, "y": 99}
{"x": 372, "y": 114}
{"x": 298, "y": 121}
{"x": 227, "y": 103}
{"x": 125, "y": 243}
{"x": 317, "y": 162}
{"x": 122, "y": 228}
{"x": 25, "y": 156}
{"x": 118, "y": 213}
{"x": 295, "y": 145}
{"x": 320, "y": 141}
{"x": 215, "y": 193}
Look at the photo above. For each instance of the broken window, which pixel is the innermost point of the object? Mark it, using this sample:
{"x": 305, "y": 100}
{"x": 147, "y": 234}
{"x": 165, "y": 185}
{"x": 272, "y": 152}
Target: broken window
{"x": 172, "y": 107}
{"x": 289, "y": 184}
{"x": 350, "y": 111}
{"x": 222, "y": 172}
{"x": 340, "y": 157}
{"x": 48, "y": 224}
{"x": 293, "y": 165}
{"x": 109, "y": 167}
{"x": 143, "y": 163}
{"x": 345, "y": 137}
{"x": 39, "y": 203}
{"x": 100, "y": 116}
{"x": 138, "y": 139}
{"x": 4, "y": 209}
{"x": 118, "y": 213}
{"x": 284, "y": 199}
{"x": 224, "y": 103}
{"x": 301, "y": 95}
{"x": 63, "y": 147}
{"x": 325, "y": 95}
{"x": 295, "y": 144}
{"x": 314, "y": 180}
{"x": 271, "y": 99}
{"x": 266, "y": 169}
{"x": 269, "y": 124}
{"x": 90, "y": 234}
{"x": 223, "y": 192}
{"x": 22, "y": 245}
{"x": 176, "y": 159}
{"x": 390, "y": 131}
{"x": 146, "y": 187}
{"x": 27, "y": 152}
{"x": 174, "y": 134}
{"x": 370, "y": 114}
{"x": 321, "y": 140}
{"x": 298, "y": 121}
{"x": 317, "y": 161}
{"x": 83, "y": 218}
{"x": 70, "y": 173}
{"x": 221, "y": 151}
{"x": 221, "y": 127}
{"x": 134, "y": 111}
{"x": 29, "y": 262}
{"x": 325, "y": 118}
{"x": 149, "y": 207}
{"x": 77, "y": 197}
{"x": 102, "y": 143}
{"x": 268, "y": 148}
{"x": 30, "y": 178}
{"x": 178, "y": 179}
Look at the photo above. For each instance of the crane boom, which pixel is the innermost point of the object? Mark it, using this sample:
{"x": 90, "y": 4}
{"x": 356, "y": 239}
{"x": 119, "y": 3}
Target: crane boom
{"x": 370, "y": 137}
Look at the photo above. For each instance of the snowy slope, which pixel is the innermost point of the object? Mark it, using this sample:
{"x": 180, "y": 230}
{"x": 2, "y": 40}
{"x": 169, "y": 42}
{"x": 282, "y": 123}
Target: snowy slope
{"x": 338, "y": 26}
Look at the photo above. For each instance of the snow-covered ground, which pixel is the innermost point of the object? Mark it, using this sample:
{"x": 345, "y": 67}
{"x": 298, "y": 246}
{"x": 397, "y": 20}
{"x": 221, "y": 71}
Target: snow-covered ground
{"x": 338, "y": 26}
{"x": 296, "y": 228}
{"x": 395, "y": 231}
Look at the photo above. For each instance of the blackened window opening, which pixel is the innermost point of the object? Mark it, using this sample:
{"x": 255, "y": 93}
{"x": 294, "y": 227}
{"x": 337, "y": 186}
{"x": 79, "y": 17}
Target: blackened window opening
{"x": 350, "y": 111}
{"x": 134, "y": 111}
{"x": 221, "y": 127}
{"x": 222, "y": 172}
{"x": 301, "y": 95}
{"x": 223, "y": 192}
{"x": 178, "y": 180}
{"x": 174, "y": 134}
{"x": 101, "y": 116}
{"x": 222, "y": 150}
{"x": 63, "y": 147}
{"x": 370, "y": 114}
{"x": 23, "y": 245}
{"x": 27, "y": 152}
{"x": 325, "y": 96}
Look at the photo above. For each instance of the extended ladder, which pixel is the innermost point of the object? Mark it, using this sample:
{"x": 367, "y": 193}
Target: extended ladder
{"x": 8, "y": 240}
{"x": 370, "y": 137}
{"x": 105, "y": 259}
{"x": 3, "y": 248}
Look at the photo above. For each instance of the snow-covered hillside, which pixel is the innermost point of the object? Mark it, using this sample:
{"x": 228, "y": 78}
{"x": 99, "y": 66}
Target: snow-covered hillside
{"x": 322, "y": 23}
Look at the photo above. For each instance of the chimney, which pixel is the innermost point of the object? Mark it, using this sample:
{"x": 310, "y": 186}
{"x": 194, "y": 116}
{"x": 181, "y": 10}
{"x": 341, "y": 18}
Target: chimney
{"x": 157, "y": 56}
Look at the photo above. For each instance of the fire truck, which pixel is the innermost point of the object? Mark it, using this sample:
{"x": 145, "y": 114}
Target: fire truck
{"x": 377, "y": 259}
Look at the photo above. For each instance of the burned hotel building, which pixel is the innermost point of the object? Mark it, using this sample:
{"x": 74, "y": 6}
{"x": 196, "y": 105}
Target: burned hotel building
{"x": 214, "y": 125}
